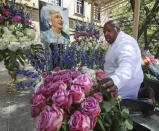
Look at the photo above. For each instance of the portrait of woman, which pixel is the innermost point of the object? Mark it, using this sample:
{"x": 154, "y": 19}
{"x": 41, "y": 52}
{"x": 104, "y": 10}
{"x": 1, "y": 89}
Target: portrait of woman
{"x": 54, "y": 27}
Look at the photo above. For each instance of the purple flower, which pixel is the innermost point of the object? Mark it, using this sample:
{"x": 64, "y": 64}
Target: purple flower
{"x": 79, "y": 122}
{"x": 50, "y": 119}
{"x": 76, "y": 36}
{"x": 77, "y": 40}
{"x": 16, "y": 18}
{"x": 90, "y": 107}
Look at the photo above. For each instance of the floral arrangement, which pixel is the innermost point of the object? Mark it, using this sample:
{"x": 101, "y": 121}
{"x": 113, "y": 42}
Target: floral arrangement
{"x": 16, "y": 33}
{"x": 150, "y": 66}
{"x": 87, "y": 36}
{"x": 68, "y": 100}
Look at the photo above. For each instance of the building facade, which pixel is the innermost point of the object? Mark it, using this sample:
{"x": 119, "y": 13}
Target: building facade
{"x": 79, "y": 10}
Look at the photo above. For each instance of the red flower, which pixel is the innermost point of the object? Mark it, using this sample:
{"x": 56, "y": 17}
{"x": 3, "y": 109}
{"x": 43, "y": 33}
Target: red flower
{"x": 3, "y": 10}
{"x": 8, "y": 13}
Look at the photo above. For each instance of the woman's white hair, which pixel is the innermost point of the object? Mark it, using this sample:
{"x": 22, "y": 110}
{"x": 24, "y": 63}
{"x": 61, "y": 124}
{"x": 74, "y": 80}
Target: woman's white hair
{"x": 45, "y": 14}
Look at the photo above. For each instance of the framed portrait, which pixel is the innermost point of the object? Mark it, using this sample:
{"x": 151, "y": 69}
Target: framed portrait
{"x": 54, "y": 24}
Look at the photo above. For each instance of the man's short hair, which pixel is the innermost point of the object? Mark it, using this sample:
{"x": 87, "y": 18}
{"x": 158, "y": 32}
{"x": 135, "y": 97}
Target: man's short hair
{"x": 112, "y": 22}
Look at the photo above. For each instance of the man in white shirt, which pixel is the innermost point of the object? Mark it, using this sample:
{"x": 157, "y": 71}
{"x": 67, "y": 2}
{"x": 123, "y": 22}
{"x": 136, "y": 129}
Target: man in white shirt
{"x": 122, "y": 63}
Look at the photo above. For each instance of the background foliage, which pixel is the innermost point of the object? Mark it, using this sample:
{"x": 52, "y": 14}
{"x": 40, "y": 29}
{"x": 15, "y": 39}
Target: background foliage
{"x": 148, "y": 22}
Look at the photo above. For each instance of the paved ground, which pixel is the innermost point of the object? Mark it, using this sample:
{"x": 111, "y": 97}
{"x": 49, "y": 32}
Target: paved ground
{"x": 14, "y": 107}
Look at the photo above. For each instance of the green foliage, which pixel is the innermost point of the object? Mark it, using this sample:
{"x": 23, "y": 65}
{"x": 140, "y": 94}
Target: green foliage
{"x": 148, "y": 23}
{"x": 113, "y": 117}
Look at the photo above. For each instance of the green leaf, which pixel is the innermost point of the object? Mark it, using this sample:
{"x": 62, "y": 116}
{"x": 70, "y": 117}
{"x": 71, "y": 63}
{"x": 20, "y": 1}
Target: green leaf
{"x": 1, "y": 57}
{"x": 20, "y": 60}
{"x": 101, "y": 124}
{"x": 125, "y": 113}
{"x": 107, "y": 105}
{"x": 128, "y": 125}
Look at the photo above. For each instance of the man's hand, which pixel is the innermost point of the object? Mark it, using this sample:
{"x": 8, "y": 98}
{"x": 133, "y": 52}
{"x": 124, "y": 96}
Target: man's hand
{"x": 109, "y": 85}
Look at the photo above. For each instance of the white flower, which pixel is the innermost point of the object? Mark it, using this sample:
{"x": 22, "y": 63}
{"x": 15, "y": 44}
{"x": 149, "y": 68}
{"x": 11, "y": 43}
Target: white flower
{"x": 7, "y": 31}
{"x": 19, "y": 34}
{"x": 24, "y": 39}
{"x": 30, "y": 33}
{"x": 3, "y": 44}
{"x": 10, "y": 37}
{"x": 12, "y": 27}
{"x": 89, "y": 44}
{"x": 26, "y": 45}
{"x": 14, "y": 46}
{"x": 89, "y": 72}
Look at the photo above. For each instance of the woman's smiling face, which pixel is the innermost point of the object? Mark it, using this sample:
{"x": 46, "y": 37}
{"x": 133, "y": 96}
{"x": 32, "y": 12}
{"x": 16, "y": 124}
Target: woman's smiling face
{"x": 56, "y": 20}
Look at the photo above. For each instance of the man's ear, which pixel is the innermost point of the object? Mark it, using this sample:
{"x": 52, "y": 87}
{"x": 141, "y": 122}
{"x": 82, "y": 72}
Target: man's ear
{"x": 118, "y": 29}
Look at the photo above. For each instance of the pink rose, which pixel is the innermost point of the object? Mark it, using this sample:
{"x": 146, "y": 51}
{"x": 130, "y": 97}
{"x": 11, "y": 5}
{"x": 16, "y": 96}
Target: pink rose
{"x": 100, "y": 75}
{"x": 33, "y": 97}
{"x": 52, "y": 87}
{"x": 44, "y": 75}
{"x": 57, "y": 69}
{"x": 42, "y": 90}
{"x": 16, "y": 18}
{"x": 77, "y": 94}
{"x": 79, "y": 122}
{"x": 56, "y": 78}
{"x": 39, "y": 101}
{"x": 65, "y": 72}
{"x": 115, "y": 95}
{"x": 75, "y": 74}
{"x": 48, "y": 79}
{"x": 1, "y": 19}
{"x": 50, "y": 119}
{"x": 90, "y": 107}
{"x": 84, "y": 81}
{"x": 60, "y": 97}
{"x": 35, "y": 111}
{"x": 26, "y": 20}
{"x": 98, "y": 96}
{"x": 80, "y": 68}
{"x": 66, "y": 78}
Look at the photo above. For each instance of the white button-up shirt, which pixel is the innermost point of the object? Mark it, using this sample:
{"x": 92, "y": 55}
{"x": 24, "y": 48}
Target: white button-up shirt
{"x": 123, "y": 65}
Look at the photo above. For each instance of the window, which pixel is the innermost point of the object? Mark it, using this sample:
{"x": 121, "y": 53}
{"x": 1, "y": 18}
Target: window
{"x": 80, "y": 7}
{"x": 56, "y": 2}
{"x": 96, "y": 12}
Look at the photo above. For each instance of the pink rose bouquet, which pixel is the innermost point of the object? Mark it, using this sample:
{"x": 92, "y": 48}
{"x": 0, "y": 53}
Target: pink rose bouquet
{"x": 69, "y": 100}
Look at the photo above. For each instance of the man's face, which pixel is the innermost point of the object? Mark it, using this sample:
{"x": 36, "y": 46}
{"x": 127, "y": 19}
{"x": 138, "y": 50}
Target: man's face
{"x": 57, "y": 20}
{"x": 110, "y": 33}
